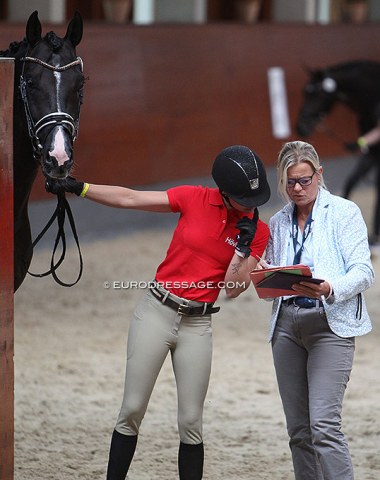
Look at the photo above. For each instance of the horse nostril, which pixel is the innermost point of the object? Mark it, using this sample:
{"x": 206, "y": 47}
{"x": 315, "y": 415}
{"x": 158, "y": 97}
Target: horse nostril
{"x": 68, "y": 164}
{"x": 49, "y": 160}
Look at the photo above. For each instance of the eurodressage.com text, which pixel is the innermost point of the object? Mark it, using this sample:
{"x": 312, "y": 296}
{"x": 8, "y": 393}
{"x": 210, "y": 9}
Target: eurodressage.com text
{"x": 131, "y": 284}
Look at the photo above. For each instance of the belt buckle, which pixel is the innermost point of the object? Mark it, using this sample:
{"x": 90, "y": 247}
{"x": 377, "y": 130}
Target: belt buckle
{"x": 305, "y": 302}
{"x": 183, "y": 309}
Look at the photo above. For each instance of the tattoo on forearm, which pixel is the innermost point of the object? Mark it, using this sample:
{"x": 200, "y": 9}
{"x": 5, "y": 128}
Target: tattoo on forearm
{"x": 235, "y": 268}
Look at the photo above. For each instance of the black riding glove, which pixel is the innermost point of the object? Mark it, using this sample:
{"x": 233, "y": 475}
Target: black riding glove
{"x": 68, "y": 184}
{"x": 359, "y": 145}
{"x": 352, "y": 146}
{"x": 247, "y": 230}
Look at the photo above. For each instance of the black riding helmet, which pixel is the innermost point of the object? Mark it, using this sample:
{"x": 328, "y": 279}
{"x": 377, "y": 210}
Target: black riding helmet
{"x": 240, "y": 174}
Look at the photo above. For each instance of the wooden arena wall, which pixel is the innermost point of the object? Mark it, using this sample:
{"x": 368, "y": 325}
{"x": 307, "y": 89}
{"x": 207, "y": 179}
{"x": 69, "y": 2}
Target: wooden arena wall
{"x": 6, "y": 273}
{"x": 162, "y": 100}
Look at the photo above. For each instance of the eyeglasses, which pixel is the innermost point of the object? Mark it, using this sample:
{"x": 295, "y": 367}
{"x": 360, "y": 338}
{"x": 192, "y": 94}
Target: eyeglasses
{"x": 303, "y": 181}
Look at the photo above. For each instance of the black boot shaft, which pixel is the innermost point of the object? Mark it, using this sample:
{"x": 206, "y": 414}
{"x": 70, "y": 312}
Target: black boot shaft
{"x": 190, "y": 461}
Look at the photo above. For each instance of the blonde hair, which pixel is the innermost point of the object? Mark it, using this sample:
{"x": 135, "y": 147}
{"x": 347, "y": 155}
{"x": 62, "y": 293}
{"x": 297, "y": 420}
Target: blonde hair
{"x": 293, "y": 153}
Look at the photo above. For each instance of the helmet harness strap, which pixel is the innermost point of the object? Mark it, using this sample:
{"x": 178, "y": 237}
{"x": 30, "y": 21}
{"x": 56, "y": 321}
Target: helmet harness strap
{"x": 226, "y": 198}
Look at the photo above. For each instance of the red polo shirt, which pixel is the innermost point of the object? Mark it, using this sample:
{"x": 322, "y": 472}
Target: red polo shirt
{"x": 203, "y": 243}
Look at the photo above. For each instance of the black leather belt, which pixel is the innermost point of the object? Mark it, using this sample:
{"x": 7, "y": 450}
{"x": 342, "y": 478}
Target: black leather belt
{"x": 303, "y": 302}
{"x": 182, "y": 308}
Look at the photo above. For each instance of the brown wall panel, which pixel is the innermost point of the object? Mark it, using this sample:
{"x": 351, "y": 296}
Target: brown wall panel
{"x": 6, "y": 273}
{"x": 162, "y": 100}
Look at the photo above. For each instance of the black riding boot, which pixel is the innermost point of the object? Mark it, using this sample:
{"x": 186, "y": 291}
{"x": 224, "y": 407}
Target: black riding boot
{"x": 121, "y": 453}
{"x": 190, "y": 461}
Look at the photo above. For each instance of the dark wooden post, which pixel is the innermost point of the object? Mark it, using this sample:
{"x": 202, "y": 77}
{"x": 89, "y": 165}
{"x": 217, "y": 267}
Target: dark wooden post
{"x": 6, "y": 271}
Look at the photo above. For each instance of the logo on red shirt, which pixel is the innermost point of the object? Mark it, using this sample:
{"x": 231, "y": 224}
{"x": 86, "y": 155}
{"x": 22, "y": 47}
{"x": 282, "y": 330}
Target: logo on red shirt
{"x": 231, "y": 241}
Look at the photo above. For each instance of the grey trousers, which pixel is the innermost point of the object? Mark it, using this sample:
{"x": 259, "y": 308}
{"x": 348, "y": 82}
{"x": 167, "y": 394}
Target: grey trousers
{"x": 154, "y": 331}
{"x": 313, "y": 367}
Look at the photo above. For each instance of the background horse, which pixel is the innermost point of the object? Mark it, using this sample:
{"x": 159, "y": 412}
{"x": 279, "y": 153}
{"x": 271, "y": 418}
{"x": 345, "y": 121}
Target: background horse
{"x": 357, "y": 85}
{"x": 47, "y": 98}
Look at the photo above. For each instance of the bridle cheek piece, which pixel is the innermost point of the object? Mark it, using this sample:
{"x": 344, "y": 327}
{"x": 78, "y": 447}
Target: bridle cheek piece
{"x": 52, "y": 119}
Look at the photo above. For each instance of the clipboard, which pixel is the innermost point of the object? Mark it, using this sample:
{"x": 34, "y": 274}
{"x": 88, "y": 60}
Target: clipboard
{"x": 278, "y": 281}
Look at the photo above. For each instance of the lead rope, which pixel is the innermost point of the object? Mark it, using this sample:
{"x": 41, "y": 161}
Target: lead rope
{"x": 62, "y": 208}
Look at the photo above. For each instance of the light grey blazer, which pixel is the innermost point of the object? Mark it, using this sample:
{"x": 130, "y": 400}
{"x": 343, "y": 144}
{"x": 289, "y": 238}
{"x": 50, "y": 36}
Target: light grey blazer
{"x": 341, "y": 256}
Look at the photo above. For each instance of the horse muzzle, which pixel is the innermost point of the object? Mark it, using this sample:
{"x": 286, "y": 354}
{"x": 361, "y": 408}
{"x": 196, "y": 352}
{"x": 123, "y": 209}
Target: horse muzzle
{"x": 53, "y": 169}
{"x": 306, "y": 123}
{"x": 57, "y": 156}
{"x": 303, "y": 130}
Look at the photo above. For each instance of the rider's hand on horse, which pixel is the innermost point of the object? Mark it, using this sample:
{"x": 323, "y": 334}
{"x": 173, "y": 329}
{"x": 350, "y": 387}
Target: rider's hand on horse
{"x": 247, "y": 229}
{"x": 360, "y": 144}
{"x": 68, "y": 184}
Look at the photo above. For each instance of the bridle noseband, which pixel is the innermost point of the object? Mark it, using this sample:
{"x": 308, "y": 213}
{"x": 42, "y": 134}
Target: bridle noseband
{"x": 55, "y": 118}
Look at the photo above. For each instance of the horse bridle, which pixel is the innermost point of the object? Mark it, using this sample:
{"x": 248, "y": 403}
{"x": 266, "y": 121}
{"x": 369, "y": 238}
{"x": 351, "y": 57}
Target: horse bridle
{"x": 329, "y": 85}
{"x": 54, "y": 118}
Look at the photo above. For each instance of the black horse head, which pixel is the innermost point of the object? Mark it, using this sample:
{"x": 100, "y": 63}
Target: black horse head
{"x": 355, "y": 84}
{"x": 51, "y": 86}
{"x": 48, "y": 95}
{"x": 320, "y": 94}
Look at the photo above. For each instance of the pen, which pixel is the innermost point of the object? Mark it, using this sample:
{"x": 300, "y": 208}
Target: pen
{"x": 262, "y": 261}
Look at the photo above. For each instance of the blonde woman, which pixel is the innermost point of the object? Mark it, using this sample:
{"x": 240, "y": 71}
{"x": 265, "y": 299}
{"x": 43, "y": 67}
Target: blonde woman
{"x": 313, "y": 332}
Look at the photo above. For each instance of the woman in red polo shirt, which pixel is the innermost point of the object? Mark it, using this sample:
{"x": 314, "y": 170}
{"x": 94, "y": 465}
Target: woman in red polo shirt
{"x": 214, "y": 246}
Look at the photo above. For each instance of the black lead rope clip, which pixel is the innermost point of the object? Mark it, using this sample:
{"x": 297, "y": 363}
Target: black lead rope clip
{"x": 62, "y": 208}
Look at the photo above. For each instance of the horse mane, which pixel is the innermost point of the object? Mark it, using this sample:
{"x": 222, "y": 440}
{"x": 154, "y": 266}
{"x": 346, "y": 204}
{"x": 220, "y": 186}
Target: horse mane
{"x": 356, "y": 67}
{"x": 357, "y": 86}
{"x": 13, "y": 49}
{"x": 50, "y": 38}
{"x": 53, "y": 41}
{"x": 360, "y": 76}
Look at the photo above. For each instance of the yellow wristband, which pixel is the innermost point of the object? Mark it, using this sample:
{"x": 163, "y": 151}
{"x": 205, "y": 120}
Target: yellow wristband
{"x": 86, "y": 186}
{"x": 361, "y": 142}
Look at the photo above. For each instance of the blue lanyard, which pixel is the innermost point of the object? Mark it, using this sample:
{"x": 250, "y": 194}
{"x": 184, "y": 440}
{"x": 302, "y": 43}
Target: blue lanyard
{"x": 306, "y": 232}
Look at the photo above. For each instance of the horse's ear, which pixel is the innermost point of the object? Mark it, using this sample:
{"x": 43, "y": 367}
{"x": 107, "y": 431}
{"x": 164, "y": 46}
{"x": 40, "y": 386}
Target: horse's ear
{"x": 75, "y": 29}
{"x": 33, "y": 29}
